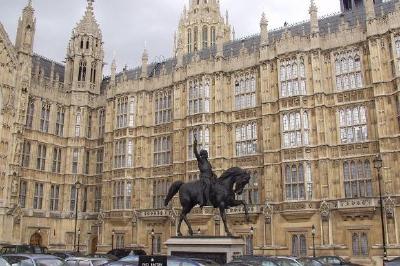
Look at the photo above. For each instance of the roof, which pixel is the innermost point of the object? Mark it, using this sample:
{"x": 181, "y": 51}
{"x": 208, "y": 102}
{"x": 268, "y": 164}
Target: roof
{"x": 46, "y": 65}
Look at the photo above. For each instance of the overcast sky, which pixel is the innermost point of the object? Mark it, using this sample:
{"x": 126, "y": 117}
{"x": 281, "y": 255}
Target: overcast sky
{"x": 128, "y": 24}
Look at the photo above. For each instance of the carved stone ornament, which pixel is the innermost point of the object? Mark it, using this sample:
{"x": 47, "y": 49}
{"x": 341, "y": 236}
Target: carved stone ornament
{"x": 134, "y": 217}
{"x": 268, "y": 210}
{"x": 16, "y": 213}
{"x": 389, "y": 205}
{"x": 100, "y": 217}
{"x": 324, "y": 210}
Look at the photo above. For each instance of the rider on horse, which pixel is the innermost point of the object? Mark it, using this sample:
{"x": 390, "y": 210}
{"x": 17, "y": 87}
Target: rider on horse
{"x": 207, "y": 176}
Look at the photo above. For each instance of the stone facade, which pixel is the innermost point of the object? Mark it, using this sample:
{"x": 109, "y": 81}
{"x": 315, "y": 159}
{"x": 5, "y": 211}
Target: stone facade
{"x": 306, "y": 108}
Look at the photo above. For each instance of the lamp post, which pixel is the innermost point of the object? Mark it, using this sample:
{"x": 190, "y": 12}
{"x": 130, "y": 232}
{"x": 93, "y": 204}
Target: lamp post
{"x": 378, "y": 166}
{"x": 152, "y": 241}
{"x": 251, "y": 251}
{"x": 77, "y": 187}
{"x": 313, "y": 231}
{"x": 112, "y": 239}
{"x": 79, "y": 238}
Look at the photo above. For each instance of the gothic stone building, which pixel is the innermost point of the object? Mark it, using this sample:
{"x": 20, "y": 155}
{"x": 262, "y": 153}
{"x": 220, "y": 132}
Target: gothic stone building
{"x": 305, "y": 108}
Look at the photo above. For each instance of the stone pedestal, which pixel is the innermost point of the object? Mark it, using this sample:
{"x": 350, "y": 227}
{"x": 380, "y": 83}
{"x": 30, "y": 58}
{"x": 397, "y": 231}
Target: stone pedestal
{"x": 218, "y": 248}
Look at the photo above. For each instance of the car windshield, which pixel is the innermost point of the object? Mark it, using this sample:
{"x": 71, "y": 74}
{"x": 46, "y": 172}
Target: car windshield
{"x": 286, "y": 262}
{"x": 130, "y": 258}
{"x": 49, "y": 262}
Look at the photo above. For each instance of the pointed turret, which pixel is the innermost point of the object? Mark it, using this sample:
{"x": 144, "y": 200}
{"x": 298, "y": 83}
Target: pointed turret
{"x": 145, "y": 60}
{"x": 313, "y": 17}
{"x": 113, "y": 70}
{"x": 26, "y": 30}
{"x": 369, "y": 9}
{"x": 85, "y": 55}
{"x": 264, "y": 30}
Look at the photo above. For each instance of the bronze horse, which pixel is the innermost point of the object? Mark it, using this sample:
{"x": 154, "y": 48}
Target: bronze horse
{"x": 222, "y": 195}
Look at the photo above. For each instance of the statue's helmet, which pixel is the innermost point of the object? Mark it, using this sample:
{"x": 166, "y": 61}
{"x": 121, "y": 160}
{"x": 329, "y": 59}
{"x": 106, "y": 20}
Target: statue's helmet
{"x": 204, "y": 153}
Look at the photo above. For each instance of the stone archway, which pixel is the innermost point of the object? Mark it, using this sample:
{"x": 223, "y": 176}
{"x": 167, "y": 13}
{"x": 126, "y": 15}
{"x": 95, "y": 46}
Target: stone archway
{"x": 36, "y": 239}
{"x": 93, "y": 245}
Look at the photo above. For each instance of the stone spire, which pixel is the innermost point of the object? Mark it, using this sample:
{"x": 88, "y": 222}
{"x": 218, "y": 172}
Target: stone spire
{"x": 264, "y": 30}
{"x": 113, "y": 70}
{"x": 145, "y": 60}
{"x": 369, "y": 9}
{"x": 26, "y": 30}
{"x": 313, "y": 17}
{"x": 88, "y": 24}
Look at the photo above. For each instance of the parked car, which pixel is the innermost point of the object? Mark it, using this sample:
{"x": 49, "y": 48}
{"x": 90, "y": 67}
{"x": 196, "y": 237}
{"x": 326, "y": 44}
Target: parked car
{"x": 33, "y": 260}
{"x": 23, "y": 249}
{"x": 104, "y": 256}
{"x": 205, "y": 262}
{"x": 3, "y": 262}
{"x": 286, "y": 261}
{"x": 177, "y": 261}
{"x": 312, "y": 262}
{"x": 130, "y": 258}
{"x": 66, "y": 254}
{"x": 85, "y": 261}
{"x": 123, "y": 252}
{"x": 336, "y": 260}
{"x": 393, "y": 262}
{"x": 255, "y": 261}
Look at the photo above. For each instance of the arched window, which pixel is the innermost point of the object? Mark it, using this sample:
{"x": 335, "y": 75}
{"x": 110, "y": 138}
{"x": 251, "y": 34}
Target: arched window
{"x": 397, "y": 44}
{"x": 82, "y": 71}
{"x": 87, "y": 44}
{"x": 78, "y": 124}
{"x": 196, "y": 39}
{"x": 213, "y": 36}
{"x": 93, "y": 73}
{"x": 189, "y": 40}
{"x": 81, "y": 44}
{"x": 205, "y": 37}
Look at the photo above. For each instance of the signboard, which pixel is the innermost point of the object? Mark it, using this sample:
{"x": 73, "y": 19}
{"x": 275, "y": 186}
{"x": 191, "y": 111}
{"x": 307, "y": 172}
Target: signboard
{"x": 152, "y": 261}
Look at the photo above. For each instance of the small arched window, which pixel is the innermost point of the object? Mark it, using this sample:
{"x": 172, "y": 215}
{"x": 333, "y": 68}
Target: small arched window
{"x": 214, "y": 37}
{"x": 87, "y": 44}
{"x": 205, "y": 37}
{"x": 189, "y": 40}
{"x": 93, "y": 73}
{"x": 81, "y": 44}
{"x": 196, "y": 39}
{"x": 82, "y": 71}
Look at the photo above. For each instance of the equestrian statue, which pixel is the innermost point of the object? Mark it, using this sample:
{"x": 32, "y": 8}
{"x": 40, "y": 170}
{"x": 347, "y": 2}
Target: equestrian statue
{"x": 209, "y": 190}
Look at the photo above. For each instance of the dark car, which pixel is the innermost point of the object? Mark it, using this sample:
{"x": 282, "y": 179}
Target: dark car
{"x": 255, "y": 261}
{"x": 123, "y": 252}
{"x": 393, "y": 262}
{"x": 336, "y": 260}
{"x": 23, "y": 249}
{"x": 33, "y": 259}
{"x": 312, "y": 262}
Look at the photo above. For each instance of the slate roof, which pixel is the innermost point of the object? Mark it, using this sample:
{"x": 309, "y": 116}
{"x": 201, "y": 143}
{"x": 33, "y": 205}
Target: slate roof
{"x": 45, "y": 64}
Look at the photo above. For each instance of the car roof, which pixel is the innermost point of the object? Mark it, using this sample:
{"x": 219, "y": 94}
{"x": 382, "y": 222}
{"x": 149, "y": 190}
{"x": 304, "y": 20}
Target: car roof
{"x": 32, "y": 256}
{"x": 84, "y": 258}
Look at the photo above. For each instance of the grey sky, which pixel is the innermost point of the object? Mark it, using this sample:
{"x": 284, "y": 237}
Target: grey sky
{"x": 128, "y": 24}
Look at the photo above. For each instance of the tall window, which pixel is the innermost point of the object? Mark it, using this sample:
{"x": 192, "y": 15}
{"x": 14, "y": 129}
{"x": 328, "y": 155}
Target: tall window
{"x": 196, "y": 39}
{"x": 87, "y": 162}
{"x": 99, "y": 161}
{"x": 298, "y": 181}
{"x": 82, "y": 71}
{"x": 293, "y": 77}
{"x": 202, "y": 135}
{"x": 246, "y": 139}
{"x": 199, "y": 97}
{"x": 213, "y": 36}
{"x": 162, "y": 151}
{"x": 89, "y": 127}
{"x": 245, "y": 91}
{"x": 163, "y": 107}
{"x": 38, "y": 196}
{"x": 54, "y": 197}
{"x": 157, "y": 244}
{"x": 397, "y": 48}
{"x": 29, "y": 113}
{"x": 41, "y": 157}
{"x": 122, "y": 195}
{"x": 97, "y": 199}
{"x": 56, "y": 160}
{"x": 348, "y": 71}
{"x": 299, "y": 245}
{"x": 102, "y": 122}
{"x": 353, "y": 124}
{"x": 26, "y": 153}
{"x": 60, "y": 121}
{"x": 205, "y": 37}
{"x": 123, "y": 153}
{"x": 44, "y": 117}
{"x": 119, "y": 241}
{"x": 132, "y": 108}
{"x": 160, "y": 189}
{"x": 78, "y": 119}
{"x": 23, "y": 188}
{"x": 360, "y": 244}
{"x": 72, "y": 198}
{"x": 357, "y": 179}
{"x": 75, "y": 158}
{"x": 93, "y": 73}
{"x": 189, "y": 41}
{"x": 251, "y": 192}
{"x": 84, "y": 200}
{"x": 122, "y": 112}
{"x": 296, "y": 129}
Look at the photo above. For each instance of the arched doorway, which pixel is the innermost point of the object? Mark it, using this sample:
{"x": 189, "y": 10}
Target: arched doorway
{"x": 93, "y": 245}
{"x": 36, "y": 239}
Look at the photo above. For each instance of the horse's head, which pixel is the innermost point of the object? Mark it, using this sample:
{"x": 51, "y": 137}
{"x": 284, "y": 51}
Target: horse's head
{"x": 241, "y": 181}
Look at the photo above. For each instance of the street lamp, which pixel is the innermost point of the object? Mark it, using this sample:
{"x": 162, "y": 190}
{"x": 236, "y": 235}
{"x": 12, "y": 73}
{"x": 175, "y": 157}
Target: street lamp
{"x": 112, "y": 239}
{"x": 152, "y": 241}
{"x": 313, "y": 232}
{"x": 251, "y": 240}
{"x": 378, "y": 166}
{"x": 79, "y": 238}
{"x": 77, "y": 187}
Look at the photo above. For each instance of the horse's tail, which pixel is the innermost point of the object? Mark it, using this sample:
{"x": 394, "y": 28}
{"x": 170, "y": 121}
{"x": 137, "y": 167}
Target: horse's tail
{"x": 174, "y": 188}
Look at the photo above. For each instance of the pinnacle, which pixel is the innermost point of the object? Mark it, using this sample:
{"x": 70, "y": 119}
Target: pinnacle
{"x": 264, "y": 20}
{"x": 313, "y": 6}
{"x": 88, "y": 23}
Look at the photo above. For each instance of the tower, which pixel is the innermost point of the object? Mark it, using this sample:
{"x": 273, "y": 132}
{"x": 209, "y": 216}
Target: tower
{"x": 200, "y": 25}
{"x": 264, "y": 30}
{"x": 313, "y": 11}
{"x": 85, "y": 55}
{"x": 26, "y": 30}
